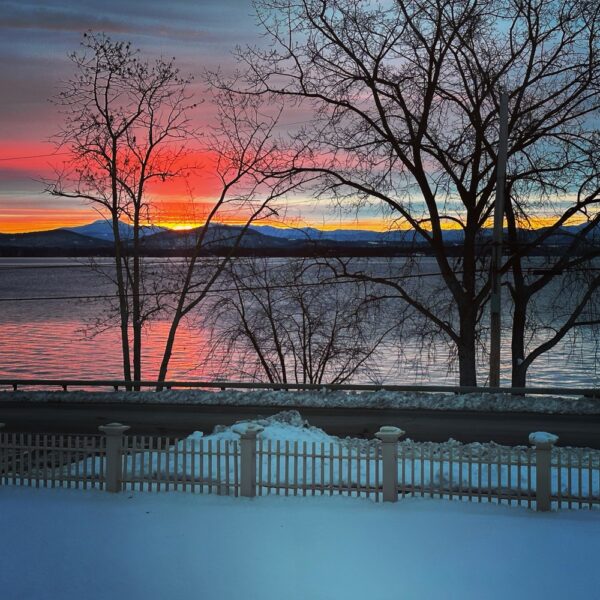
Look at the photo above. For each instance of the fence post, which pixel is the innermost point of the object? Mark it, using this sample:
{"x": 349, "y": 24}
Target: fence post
{"x": 543, "y": 443}
{"x": 114, "y": 455}
{"x": 248, "y": 459}
{"x": 389, "y": 450}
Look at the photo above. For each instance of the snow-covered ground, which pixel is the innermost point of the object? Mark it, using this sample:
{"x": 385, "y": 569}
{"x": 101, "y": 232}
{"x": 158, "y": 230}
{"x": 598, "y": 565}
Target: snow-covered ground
{"x": 74, "y": 545}
{"x": 382, "y": 399}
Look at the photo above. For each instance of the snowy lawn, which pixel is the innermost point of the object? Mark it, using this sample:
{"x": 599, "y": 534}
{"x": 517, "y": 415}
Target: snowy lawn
{"x": 73, "y": 544}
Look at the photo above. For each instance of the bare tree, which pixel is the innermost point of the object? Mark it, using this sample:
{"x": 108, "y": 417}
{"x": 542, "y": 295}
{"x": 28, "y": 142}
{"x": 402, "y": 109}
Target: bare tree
{"x": 559, "y": 291}
{"x": 248, "y": 164}
{"x": 286, "y": 321}
{"x": 126, "y": 126}
{"x": 405, "y": 98}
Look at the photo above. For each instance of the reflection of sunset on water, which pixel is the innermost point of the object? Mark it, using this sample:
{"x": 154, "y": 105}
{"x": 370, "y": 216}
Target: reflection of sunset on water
{"x": 52, "y": 339}
{"x": 59, "y": 348}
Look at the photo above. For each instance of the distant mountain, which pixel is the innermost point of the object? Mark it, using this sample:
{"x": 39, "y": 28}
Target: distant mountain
{"x": 102, "y": 230}
{"x": 58, "y": 242}
{"x": 352, "y": 236}
{"x": 56, "y": 238}
{"x": 217, "y": 236}
{"x": 96, "y": 239}
{"x": 336, "y": 235}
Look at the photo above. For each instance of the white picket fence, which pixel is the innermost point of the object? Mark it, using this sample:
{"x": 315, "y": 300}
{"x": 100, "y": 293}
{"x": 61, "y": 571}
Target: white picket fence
{"x": 538, "y": 477}
{"x": 52, "y": 460}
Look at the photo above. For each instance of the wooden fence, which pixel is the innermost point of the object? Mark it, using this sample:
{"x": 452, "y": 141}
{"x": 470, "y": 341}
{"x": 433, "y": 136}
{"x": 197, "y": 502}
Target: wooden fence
{"x": 541, "y": 476}
{"x": 38, "y": 460}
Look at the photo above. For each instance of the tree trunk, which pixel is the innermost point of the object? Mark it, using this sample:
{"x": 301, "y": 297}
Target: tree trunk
{"x": 467, "y": 356}
{"x": 519, "y": 366}
{"x": 135, "y": 288}
{"x": 123, "y": 308}
{"x": 164, "y": 365}
{"x": 519, "y": 375}
{"x": 467, "y": 364}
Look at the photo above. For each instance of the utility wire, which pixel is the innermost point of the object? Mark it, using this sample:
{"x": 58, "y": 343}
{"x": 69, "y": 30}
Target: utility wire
{"x": 33, "y": 156}
{"x": 215, "y": 291}
{"x": 110, "y": 263}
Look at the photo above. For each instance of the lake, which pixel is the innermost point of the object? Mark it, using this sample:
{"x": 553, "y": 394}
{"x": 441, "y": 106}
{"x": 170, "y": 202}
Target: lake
{"x": 64, "y": 338}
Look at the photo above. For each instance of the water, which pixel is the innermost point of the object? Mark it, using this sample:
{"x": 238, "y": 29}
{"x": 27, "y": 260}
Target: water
{"x": 62, "y": 338}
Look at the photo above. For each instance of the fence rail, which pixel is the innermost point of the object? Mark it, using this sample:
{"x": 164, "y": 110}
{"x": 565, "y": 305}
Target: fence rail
{"x": 541, "y": 476}
{"x": 118, "y": 384}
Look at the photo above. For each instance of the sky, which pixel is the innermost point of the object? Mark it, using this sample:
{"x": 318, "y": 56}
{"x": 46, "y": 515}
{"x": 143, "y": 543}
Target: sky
{"x": 35, "y": 40}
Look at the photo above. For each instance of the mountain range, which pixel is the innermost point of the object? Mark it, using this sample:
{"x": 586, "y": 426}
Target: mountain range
{"x": 102, "y": 230}
{"x": 97, "y": 239}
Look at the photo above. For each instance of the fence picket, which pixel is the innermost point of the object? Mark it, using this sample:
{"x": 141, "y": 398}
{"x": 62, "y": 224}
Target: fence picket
{"x": 236, "y": 481}
{"x": 227, "y": 450}
{"x": 286, "y": 455}
{"x": 500, "y": 474}
{"x": 269, "y": 462}
{"x": 295, "y": 467}
{"x": 322, "y": 459}
{"x": 304, "y": 472}
{"x": 201, "y": 458}
{"x": 278, "y": 464}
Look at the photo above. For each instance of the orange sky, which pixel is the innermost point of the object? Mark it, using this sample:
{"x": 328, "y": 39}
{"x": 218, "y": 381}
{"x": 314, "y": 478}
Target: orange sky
{"x": 177, "y": 203}
{"x": 36, "y": 38}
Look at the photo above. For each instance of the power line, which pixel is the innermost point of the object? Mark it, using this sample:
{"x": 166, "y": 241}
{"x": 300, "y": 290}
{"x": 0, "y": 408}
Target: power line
{"x": 33, "y": 156}
{"x": 72, "y": 266}
{"x": 218, "y": 290}
{"x": 380, "y": 280}
{"x": 534, "y": 270}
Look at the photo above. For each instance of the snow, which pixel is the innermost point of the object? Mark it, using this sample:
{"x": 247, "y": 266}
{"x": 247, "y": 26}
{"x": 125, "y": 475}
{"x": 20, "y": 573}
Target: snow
{"x": 286, "y": 426}
{"x": 425, "y": 464}
{"x": 485, "y": 402}
{"x": 74, "y": 544}
{"x": 542, "y": 438}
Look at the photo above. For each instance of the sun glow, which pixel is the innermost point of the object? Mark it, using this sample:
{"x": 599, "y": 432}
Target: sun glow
{"x": 179, "y": 226}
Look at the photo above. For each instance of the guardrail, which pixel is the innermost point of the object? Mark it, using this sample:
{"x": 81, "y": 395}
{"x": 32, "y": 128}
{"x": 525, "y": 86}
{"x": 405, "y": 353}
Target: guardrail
{"x": 117, "y": 385}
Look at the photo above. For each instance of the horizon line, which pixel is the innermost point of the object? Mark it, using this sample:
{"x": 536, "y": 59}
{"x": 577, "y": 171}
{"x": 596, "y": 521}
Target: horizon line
{"x": 367, "y": 225}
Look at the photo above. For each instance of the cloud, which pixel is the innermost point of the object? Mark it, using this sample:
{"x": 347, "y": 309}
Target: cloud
{"x": 172, "y": 24}
{"x": 22, "y": 17}
{"x": 35, "y": 40}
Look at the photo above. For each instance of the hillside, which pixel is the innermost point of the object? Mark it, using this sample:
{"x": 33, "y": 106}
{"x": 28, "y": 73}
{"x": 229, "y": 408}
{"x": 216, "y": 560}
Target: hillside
{"x": 95, "y": 239}
{"x": 57, "y": 242}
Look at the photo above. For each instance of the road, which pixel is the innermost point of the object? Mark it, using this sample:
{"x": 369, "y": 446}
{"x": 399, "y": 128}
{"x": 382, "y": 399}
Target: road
{"x": 181, "y": 419}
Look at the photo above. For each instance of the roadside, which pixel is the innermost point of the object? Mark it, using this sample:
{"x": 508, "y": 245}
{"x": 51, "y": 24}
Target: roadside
{"x": 164, "y": 414}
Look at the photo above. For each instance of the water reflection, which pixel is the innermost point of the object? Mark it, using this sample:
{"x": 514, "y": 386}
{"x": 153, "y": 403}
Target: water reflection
{"x": 53, "y": 339}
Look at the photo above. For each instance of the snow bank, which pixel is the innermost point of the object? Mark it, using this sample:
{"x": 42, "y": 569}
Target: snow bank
{"x": 421, "y": 464}
{"x": 286, "y": 426}
{"x": 383, "y": 399}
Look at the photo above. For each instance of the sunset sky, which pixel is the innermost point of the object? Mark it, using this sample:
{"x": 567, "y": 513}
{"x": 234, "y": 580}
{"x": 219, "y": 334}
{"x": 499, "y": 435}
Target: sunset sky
{"x": 35, "y": 38}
